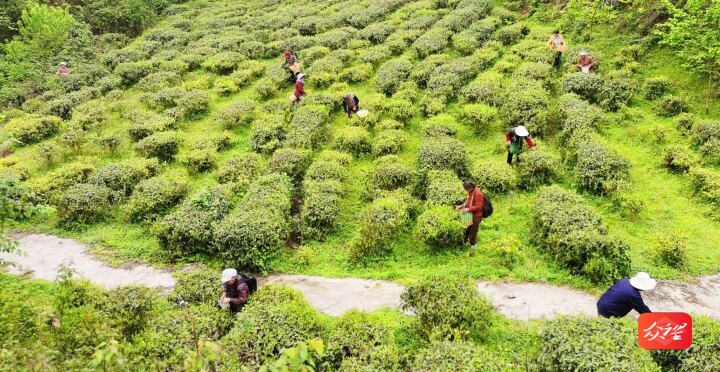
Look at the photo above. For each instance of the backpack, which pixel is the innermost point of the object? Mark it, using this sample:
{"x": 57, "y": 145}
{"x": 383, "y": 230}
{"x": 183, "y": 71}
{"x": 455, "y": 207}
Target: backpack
{"x": 250, "y": 281}
{"x": 487, "y": 206}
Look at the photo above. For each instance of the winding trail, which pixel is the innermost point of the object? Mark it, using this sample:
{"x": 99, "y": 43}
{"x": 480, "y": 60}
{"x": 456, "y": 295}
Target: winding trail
{"x": 44, "y": 254}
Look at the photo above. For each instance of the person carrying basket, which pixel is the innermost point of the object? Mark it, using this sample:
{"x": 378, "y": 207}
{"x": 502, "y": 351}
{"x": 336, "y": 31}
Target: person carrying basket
{"x": 472, "y": 212}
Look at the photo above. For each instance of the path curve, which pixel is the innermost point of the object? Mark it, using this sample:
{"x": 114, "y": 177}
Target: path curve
{"x": 44, "y": 254}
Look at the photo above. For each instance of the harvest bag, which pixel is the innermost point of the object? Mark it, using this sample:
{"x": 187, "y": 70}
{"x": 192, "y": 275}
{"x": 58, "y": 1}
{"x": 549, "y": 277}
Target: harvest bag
{"x": 466, "y": 218}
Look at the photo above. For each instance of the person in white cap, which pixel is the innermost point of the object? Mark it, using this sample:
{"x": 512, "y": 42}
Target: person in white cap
{"x": 235, "y": 290}
{"x": 585, "y": 62}
{"x": 299, "y": 92}
{"x": 63, "y": 70}
{"x": 351, "y": 104}
{"x": 624, "y": 296}
{"x": 514, "y": 141}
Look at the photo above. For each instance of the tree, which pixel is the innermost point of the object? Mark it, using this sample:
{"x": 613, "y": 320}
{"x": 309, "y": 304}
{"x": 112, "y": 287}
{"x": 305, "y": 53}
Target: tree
{"x": 17, "y": 203}
{"x": 694, "y": 32}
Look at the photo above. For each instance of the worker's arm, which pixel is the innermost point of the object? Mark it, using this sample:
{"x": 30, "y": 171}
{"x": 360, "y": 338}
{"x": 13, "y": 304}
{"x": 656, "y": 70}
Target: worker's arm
{"x": 507, "y": 138}
{"x": 639, "y": 305}
{"x": 476, "y": 204}
{"x": 530, "y": 142}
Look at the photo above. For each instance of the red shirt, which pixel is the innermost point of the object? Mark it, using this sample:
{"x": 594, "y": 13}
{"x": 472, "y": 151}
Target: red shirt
{"x": 508, "y": 137}
{"x": 299, "y": 89}
{"x": 475, "y": 202}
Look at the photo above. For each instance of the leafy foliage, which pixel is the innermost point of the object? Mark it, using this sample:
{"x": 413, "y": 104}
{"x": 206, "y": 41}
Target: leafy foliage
{"x": 440, "y": 228}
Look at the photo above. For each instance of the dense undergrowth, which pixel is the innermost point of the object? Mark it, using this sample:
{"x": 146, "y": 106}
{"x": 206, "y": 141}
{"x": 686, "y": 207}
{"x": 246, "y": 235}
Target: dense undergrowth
{"x": 180, "y": 146}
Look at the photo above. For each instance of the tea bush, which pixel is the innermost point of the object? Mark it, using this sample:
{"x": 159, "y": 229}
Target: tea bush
{"x": 353, "y": 140}
{"x": 199, "y": 160}
{"x": 671, "y": 250}
{"x": 374, "y": 56}
{"x": 679, "y": 159}
{"x": 49, "y": 185}
{"x": 378, "y": 223}
{"x": 388, "y": 142}
{"x": 321, "y": 206}
{"x": 267, "y": 134}
{"x": 31, "y": 128}
{"x": 132, "y": 72}
{"x": 443, "y": 153}
{"x": 706, "y": 183}
{"x": 576, "y": 116}
{"x": 533, "y": 70}
{"x": 685, "y": 122}
{"x": 705, "y": 132}
{"x": 197, "y": 286}
{"x": 390, "y": 74}
{"x": 575, "y": 237}
{"x": 151, "y": 125}
{"x": 308, "y": 128}
{"x": 671, "y": 105}
{"x": 511, "y": 34}
{"x": 389, "y": 173}
{"x": 153, "y": 197}
{"x": 121, "y": 177}
{"x": 525, "y": 107}
{"x": 478, "y": 116}
{"x": 485, "y": 89}
{"x": 571, "y": 343}
{"x": 599, "y": 170}
{"x": 84, "y": 203}
{"x": 435, "y": 40}
{"x": 617, "y": 93}
{"x": 537, "y": 169}
{"x": 423, "y": 70}
{"x": 701, "y": 355}
{"x": 357, "y": 336}
{"x": 453, "y": 311}
{"x": 241, "y": 169}
{"x": 657, "y": 87}
{"x": 162, "y": 145}
{"x": 495, "y": 177}
{"x": 237, "y": 114}
{"x": 455, "y": 356}
{"x": 190, "y": 228}
{"x": 377, "y": 32}
{"x": 214, "y": 141}
{"x": 439, "y": 227}
{"x": 291, "y": 162}
{"x": 223, "y": 63}
{"x": 444, "y": 188}
{"x": 259, "y": 226}
{"x": 587, "y": 86}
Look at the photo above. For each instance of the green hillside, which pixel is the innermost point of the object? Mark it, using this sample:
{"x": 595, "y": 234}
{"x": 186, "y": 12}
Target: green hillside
{"x": 179, "y": 145}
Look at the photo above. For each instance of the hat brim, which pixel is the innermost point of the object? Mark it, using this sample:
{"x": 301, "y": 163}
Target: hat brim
{"x": 643, "y": 284}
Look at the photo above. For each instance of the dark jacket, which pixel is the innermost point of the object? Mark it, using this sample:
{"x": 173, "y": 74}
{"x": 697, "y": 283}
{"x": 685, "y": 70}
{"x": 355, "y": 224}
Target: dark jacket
{"x": 351, "y": 103}
{"x": 619, "y": 299}
{"x": 475, "y": 202}
{"x": 237, "y": 293}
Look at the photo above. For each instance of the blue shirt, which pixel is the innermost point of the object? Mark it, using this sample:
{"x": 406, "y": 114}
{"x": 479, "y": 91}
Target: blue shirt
{"x": 619, "y": 299}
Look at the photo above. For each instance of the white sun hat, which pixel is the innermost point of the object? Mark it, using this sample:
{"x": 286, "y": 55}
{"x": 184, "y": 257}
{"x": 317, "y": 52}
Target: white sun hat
{"x": 300, "y": 76}
{"x": 363, "y": 113}
{"x": 228, "y": 274}
{"x": 583, "y": 53}
{"x": 643, "y": 281}
{"x": 521, "y": 131}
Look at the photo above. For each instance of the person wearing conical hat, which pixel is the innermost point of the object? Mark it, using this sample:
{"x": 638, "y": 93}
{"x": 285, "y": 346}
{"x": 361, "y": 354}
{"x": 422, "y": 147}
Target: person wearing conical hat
{"x": 624, "y": 296}
{"x": 514, "y": 139}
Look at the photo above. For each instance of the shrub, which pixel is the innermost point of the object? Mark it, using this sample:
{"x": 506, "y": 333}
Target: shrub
{"x": 50, "y": 184}
{"x": 536, "y": 169}
{"x": 378, "y": 224}
{"x": 163, "y": 145}
{"x": 308, "y": 128}
{"x": 158, "y": 80}
{"x": 525, "y": 107}
{"x": 226, "y": 87}
{"x": 576, "y": 116}
{"x": 444, "y": 188}
{"x": 31, "y": 128}
{"x": 511, "y": 34}
{"x": 595, "y": 343}
{"x": 399, "y": 109}
{"x": 570, "y": 232}
{"x": 465, "y": 42}
{"x": 259, "y": 227}
{"x": 265, "y": 89}
{"x": 84, "y": 203}
{"x": 679, "y": 159}
{"x": 321, "y": 205}
{"x": 533, "y": 70}
{"x": 153, "y": 197}
{"x": 391, "y": 74}
{"x": 616, "y": 93}
{"x": 197, "y": 286}
{"x": 453, "y": 311}
{"x": 439, "y": 227}
{"x": 214, "y": 141}
{"x": 267, "y": 134}
{"x": 353, "y": 140}
{"x": 389, "y": 173}
{"x": 495, "y": 177}
{"x": 671, "y": 249}
{"x": 357, "y": 336}
{"x": 455, "y": 356}
{"x": 377, "y": 32}
{"x": 241, "y": 169}
{"x": 357, "y": 73}
{"x": 706, "y": 183}
{"x": 599, "y": 170}
{"x": 485, "y": 89}
{"x": 702, "y": 354}
{"x": 685, "y": 122}
{"x": 478, "y": 116}
{"x": 291, "y": 162}
{"x": 657, "y": 87}
{"x": 121, "y": 177}
{"x": 223, "y": 63}
{"x": 334, "y": 156}
{"x": 443, "y": 153}
{"x": 422, "y": 71}
{"x": 132, "y": 72}
{"x": 190, "y": 105}
{"x": 200, "y": 160}
{"x": 432, "y": 41}
{"x": 671, "y": 105}
{"x": 190, "y": 229}
{"x": 705, "y": 132}
{"x": 266, "y": 326}
{"x": 587, "y": 86}
{"x": 388, "y": 142}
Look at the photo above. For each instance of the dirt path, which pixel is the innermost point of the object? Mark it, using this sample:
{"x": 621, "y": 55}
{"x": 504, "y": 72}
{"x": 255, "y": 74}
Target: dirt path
{"x": 44, "y": 254}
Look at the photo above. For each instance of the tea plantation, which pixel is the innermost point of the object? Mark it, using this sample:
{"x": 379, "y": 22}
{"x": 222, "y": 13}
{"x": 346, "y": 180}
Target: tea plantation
{"x": 172, "y": 141}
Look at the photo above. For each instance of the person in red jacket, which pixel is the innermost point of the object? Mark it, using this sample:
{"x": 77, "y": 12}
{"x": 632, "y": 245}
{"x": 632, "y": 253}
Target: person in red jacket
{"x": 299, "y": 92}
{"x": 473, "y": 204}
{"x": 514, "y": 140}
{"x": 235, "y": 290}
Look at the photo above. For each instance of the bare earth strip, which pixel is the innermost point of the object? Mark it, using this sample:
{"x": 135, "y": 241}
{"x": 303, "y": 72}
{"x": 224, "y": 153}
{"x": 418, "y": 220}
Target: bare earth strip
{"x": 44, "y": 254}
